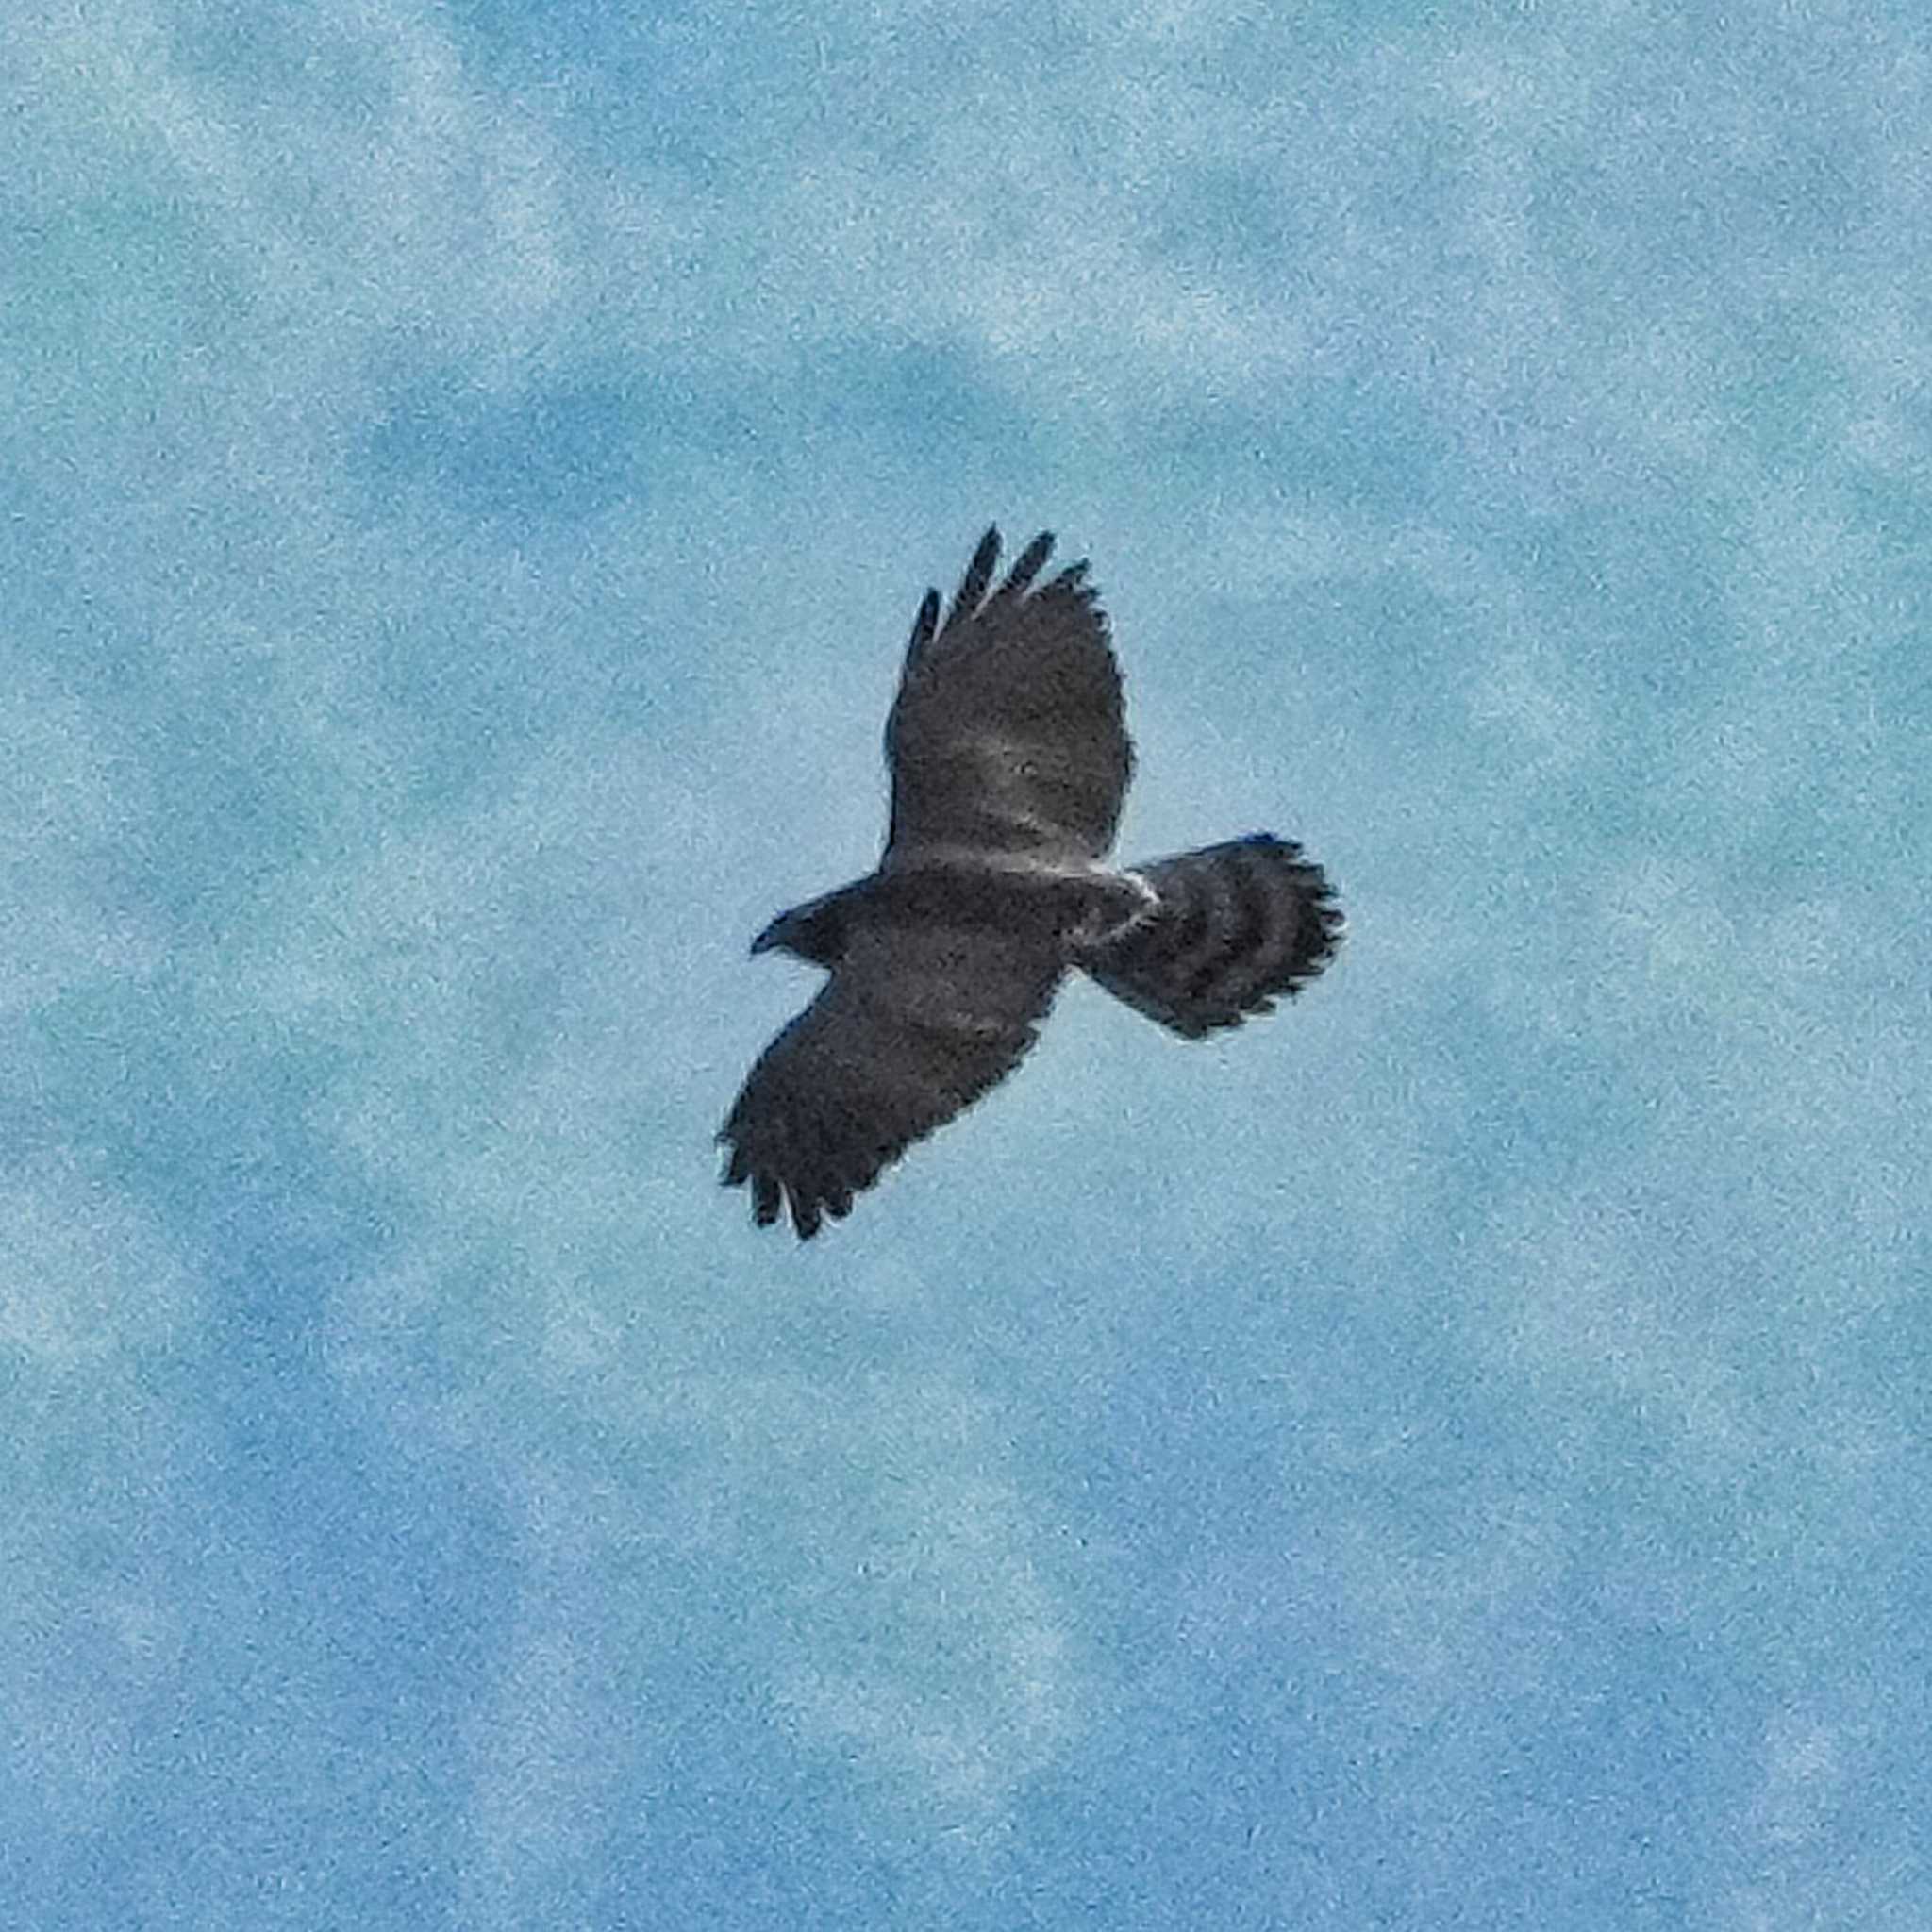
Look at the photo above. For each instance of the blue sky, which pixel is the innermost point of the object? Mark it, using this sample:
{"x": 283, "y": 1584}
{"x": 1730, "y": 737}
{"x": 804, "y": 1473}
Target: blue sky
{"x": 1452, "y": 1455}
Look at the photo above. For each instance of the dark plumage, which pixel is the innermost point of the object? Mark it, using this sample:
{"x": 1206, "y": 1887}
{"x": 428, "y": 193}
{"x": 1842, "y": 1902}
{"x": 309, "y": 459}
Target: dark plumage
{"x": 1009, "y": 759}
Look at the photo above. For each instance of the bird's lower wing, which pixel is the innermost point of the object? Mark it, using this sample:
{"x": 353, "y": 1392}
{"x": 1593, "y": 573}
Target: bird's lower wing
{"x": 914, "y": 1025}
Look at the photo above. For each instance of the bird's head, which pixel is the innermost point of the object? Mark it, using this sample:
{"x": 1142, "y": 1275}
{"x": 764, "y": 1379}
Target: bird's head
{"x": 812, "y": 931}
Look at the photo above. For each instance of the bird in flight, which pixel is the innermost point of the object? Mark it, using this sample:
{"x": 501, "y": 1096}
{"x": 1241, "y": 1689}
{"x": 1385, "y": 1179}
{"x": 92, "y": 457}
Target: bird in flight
{"x": 1009, "y": 759}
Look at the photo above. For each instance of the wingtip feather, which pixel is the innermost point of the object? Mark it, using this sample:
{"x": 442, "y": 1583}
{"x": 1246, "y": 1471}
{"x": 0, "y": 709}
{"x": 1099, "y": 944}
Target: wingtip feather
{"x": 765, "y": 1199}
{"x": 925, "y": 624}
{"x": 972, "y": 591}
{"x": 1027, "y": 565}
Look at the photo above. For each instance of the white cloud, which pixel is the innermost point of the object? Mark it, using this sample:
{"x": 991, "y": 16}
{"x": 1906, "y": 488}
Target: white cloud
{"x": 492, "y": 939}
{"x": 93, "y": 1308}
{"x": 73, "y": 815}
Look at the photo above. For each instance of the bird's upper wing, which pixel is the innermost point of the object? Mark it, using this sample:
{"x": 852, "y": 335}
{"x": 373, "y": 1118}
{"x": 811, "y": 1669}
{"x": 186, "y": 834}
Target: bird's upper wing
{"x": 1008, "y": 733}
{"x": 915, "y": 1023}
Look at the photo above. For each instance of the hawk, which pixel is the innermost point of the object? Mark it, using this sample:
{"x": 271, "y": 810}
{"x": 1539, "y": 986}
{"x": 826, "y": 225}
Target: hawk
{"x": 1010, "y": 758}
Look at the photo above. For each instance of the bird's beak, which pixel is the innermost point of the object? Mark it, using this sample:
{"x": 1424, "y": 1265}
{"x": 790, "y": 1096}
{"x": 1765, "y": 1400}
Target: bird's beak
{"x": 765, "y": 941}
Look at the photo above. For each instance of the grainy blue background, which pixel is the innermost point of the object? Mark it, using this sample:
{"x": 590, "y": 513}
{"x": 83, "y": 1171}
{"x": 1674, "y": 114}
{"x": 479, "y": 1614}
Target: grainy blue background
{"x": 1455, "y": 1454}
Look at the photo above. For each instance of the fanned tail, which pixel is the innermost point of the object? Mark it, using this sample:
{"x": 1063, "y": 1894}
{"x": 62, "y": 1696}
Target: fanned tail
{"x": 1234, "y": 927}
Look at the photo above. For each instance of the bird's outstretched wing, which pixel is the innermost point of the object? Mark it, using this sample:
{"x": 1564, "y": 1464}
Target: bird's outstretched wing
{"x": 915, "y": 1023}
{"x": 1007, "y": 734}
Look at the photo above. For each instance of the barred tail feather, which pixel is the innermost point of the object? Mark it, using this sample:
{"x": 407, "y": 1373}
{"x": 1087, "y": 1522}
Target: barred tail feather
{"x": 1233, "y": 929}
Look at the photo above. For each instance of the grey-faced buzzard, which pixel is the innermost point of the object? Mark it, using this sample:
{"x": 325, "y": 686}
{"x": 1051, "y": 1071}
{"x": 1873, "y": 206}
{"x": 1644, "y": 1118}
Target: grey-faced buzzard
{"x": 1009, "y": 759}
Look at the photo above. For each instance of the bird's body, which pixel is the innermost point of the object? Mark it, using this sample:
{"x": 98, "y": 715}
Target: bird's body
{"x": 967, "y": 890}
{"x": 1009, "y": 759}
